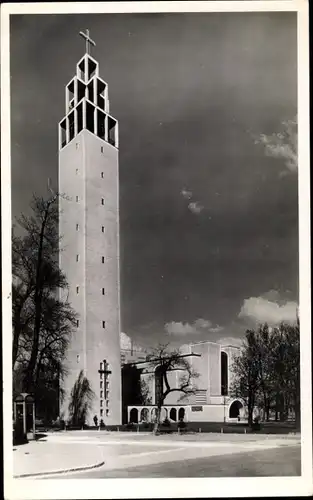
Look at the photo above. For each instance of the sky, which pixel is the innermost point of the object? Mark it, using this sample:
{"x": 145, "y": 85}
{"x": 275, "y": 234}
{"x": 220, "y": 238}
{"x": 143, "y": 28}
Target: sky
{"x": 209, "y": 222}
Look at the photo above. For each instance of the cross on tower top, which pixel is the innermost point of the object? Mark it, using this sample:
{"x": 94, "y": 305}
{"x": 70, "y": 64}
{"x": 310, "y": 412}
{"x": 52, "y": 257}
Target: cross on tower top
{"x": 89, "y": 41}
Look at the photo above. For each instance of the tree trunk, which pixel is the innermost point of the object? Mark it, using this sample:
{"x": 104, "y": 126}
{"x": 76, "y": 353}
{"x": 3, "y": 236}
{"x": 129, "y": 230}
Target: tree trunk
{"x": 29, "y": 382}
{"x": 157, "y": 420}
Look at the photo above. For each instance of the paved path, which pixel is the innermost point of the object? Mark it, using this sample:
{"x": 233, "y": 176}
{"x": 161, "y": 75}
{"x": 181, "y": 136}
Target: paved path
{"x": 84, "y": 450}
{"x": 264, "y": 463}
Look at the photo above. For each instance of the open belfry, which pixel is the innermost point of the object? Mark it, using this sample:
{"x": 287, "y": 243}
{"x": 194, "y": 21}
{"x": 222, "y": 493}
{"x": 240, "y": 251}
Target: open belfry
{"x": 89, "y": 230}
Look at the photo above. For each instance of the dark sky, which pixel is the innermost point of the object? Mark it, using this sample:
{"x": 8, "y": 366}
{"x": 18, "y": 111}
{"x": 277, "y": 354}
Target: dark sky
{"x": 209, "y": 223}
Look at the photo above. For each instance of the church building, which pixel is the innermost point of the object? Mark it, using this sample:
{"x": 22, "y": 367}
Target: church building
{"x": 210, "y": 402}
{"x": 89, "y": 256}
{"x": 89, "y": 228}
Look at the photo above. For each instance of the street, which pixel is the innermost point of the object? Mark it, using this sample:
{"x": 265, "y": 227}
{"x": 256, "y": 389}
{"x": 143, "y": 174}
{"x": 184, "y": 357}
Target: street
{"x": 283, "y": 461}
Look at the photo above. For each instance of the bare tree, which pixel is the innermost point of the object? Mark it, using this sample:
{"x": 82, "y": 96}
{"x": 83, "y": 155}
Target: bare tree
{"x": 42, "y": 322}
{"x": 164, "y": 360}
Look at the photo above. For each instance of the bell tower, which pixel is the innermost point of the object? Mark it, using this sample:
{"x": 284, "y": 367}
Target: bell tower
{"x": 89, "y": 230}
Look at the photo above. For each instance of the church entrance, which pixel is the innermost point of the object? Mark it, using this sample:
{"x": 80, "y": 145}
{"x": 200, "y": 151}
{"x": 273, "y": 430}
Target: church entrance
{"x": 234, "y": 410}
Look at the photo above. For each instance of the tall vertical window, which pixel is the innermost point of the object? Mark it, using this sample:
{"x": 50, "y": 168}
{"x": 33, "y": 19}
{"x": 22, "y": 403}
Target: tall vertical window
{"x": 77, "y": 171}
{"x": 77, "y": 199}
{"x": 77, "y": 227}
{"x": 102, "y": 201}
{"x": 101, "y": 149}
{"x": 77, "y": 257}
{"x": 77, "y": 323}
{"x": 158, "y": 377}
{"x": 102, "y": 259}
{"x": 103, "y": 291}
{"x": 102, "y": 175}
{"x": 103, "y": 229}
{"x": 224, "y": 374}
{"x": 77, "y": 289}
{"x": 103, "y": 324}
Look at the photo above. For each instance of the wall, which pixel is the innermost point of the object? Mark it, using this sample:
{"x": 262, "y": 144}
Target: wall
{"x": 92, "y": 342}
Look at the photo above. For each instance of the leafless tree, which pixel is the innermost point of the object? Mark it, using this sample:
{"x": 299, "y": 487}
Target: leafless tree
{"x": 164, "y": 360}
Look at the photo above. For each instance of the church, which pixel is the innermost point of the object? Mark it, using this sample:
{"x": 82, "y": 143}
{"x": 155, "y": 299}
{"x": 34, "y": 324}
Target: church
{"x": 89, "y": 229}
{"x": 89, "y": 256}
{"x": 210, "y": 401}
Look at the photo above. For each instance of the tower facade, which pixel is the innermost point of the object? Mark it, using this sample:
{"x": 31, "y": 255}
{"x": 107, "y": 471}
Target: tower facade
{"x": 89, "y": 230}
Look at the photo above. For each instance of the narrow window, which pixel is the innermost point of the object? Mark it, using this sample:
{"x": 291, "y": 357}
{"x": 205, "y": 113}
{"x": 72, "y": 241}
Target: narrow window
{"x": 102, "y": 175}
{"x": 101, "y": 402}
{"x": 77, "y": 227}
{"x": 101, "y": 394}
{"x": 76, "y": 198}
{"x": 78, "y": 358}
{"x": 77, "y": 289}
{"x": 103, "y": 229}
{"x": 77, "y": 146}
{"x": 77, "y": 258}
{"x": 103, "y": 291}
{"x": 101, "y": 149}
{"x": 102, "y": 201}
{"x": 77, "y": 171}
{"x": 102, "y": 259}
{"x": 101, "y": 366}
{"x": 103, "y": 324}
{"x": 101, "y": 413}
{"x": 77, "y": 323}
{"x": 107, "y": 412}
{"x": 101, "y": 384}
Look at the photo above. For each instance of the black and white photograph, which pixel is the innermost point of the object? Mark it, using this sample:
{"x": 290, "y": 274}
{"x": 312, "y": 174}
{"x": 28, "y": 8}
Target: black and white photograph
{"x": 155, "y": 188}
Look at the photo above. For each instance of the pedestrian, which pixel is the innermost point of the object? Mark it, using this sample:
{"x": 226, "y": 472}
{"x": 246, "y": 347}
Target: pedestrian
{"x": 95, "y": 419}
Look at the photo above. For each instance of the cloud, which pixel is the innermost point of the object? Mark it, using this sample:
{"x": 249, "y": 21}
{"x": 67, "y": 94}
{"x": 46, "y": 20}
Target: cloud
{"x": 186, "y": 194}
{"x": 195, "y": 207}
{"x": 199, "y": 327}
{"x": 125, "y": 341}
{"x": 283, "y": 145}
{"x": 232, "y": 341}
{"x": 262, "y": 309}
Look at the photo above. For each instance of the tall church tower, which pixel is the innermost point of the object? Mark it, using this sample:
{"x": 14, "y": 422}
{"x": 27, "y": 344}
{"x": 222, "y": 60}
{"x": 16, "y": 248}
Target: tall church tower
{"x": 89, "y": 228}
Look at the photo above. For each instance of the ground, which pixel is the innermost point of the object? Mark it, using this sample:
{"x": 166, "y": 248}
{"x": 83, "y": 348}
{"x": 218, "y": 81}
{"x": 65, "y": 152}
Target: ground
{"x": 88, "y": 454}
{"x": 275, "y": 462}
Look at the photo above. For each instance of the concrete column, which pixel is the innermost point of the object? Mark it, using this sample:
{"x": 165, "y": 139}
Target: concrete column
{"x": 106, "y": 100}
{"x": 24, "y": 418}
{"x": 95, "y": 91}
{"x": 60, "y": 136}
{"x": 116, "y": 136}
{"x": 34, "y": 418}
{"x": 67, "y": 100}
{"x": 106, "y": 128}
{"x": 84, "y": 113}
{"x": 95, "y": 121}
{"x": 75, "y": 122}
{"x": 75, "y": 91}
{"x": 67, "y": 130}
